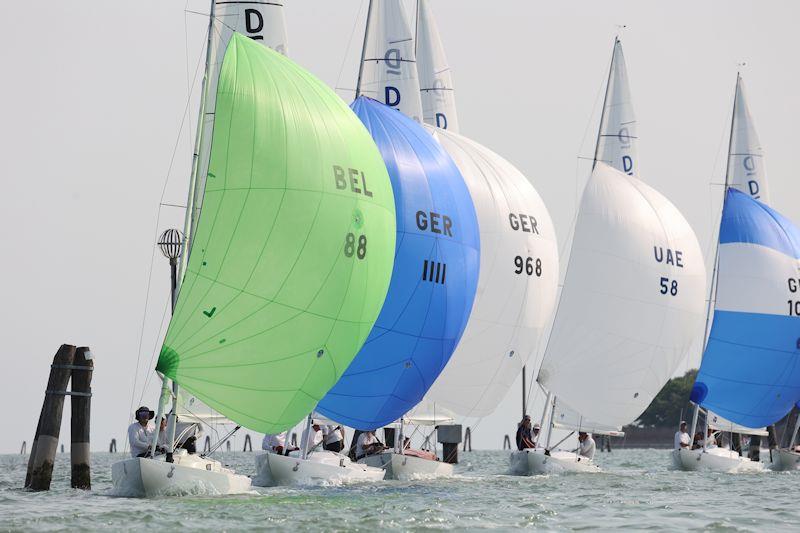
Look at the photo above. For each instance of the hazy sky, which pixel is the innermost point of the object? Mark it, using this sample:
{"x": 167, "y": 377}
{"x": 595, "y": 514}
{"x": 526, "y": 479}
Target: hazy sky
{"x": 95, "y": 94}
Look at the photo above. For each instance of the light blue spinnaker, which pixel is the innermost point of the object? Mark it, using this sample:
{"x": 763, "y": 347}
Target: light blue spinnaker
{"x": 750, "y": 372}
{"x": 433, "y": 283}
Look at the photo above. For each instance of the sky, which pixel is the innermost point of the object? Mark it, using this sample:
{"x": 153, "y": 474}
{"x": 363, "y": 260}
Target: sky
{"x": 101, "y": 104}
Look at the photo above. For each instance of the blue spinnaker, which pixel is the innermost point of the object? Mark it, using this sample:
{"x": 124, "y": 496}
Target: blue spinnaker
{"x": 750, "y": 372}
{"x": 433, "y": 282}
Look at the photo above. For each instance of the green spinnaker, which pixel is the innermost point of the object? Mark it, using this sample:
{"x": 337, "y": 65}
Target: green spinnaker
{"x": 293, "y": 250}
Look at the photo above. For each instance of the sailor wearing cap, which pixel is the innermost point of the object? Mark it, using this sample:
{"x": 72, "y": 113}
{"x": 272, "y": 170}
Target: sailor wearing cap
{"x": 535, "y": 439}
{"x": 682, "y": 438}
{"x": 140, "y": 433}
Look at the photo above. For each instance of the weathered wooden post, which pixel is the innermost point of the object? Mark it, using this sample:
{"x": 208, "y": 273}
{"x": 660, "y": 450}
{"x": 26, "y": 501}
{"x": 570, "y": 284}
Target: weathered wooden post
{"x": 228, "y": 446}
{"x": 506, "y": 443}
{"x": 81, "y": 401}
{"x": 207, "y": 445}
{"x": 247, "y": 444}
{"x": 24, "y": 449}
{"x": 45, "y": 443}
{"x": 467, "y": 440}
{"x": 449, "y": 437}
{"x": 112, "y": 447}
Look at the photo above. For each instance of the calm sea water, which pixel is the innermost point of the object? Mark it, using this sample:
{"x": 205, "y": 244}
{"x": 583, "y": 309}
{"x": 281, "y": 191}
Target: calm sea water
{"x": 637, "y": 491}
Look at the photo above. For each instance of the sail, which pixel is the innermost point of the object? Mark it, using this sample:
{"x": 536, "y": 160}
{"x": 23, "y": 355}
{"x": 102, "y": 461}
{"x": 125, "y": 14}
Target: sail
{"x": 435, "y": 77}
{"x": 750, "y": 372}
{"x": 565, "y": 417}
{"x": 517, "y": 284}
{"x": 632, "y": 302}
{"x": 388, "y": 71}
{"x": 721, "y": 423}
{"x": 261, "y": 20}
{"x": 293, "y": 251}
{"x": 617, "y": 141}
{"x": 433, "y": 283}
{"x": 746, "y": 159}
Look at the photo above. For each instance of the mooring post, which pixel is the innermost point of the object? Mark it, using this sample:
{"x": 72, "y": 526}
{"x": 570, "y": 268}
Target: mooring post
{"x": 506, "y": 443}
{"x": 43, "y": 451}
{"x": 207, "y": 445}
{"x": 24, "y": 449}
{"x": 81, "y": 401}
{"x": 247, "y": 444}
{"x": 228, "y": 446}
{"x": 112, "y": 447}
{"x": 467, "y": 440}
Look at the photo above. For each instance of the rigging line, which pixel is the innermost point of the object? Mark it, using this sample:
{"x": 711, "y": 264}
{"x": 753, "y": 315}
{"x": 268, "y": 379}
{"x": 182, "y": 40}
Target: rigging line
{"x": 347, "y": 50}
{"x": 153, "y": 254}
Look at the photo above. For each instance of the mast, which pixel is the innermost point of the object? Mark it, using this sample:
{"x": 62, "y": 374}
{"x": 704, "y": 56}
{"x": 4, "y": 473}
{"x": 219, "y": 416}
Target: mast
{"x": 715, "y": 266}
{"x": 364, "y": 51}
{"x": 605, "y": 101}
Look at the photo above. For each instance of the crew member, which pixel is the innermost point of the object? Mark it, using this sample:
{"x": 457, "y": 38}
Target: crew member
{"x": 368, "y": 444}
{"x": 524, "y": 437}
{"x": 333, "y": 438}
{"x": 682, "y": 438}
{"x": 587, "y": 445}
{"x": 140, "y": 433}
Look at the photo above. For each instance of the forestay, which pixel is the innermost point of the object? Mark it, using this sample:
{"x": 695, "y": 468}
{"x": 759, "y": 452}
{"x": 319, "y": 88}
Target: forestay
{"x": 433, "y": 283}
{"x": 746, "y": 159}
{"x": 517, "y": 284}
{"x": 749, "y": 373}
{"x": 632, "y": 302}
{"x": 292, "y": 258}
{"x": 388, "y": 70}
{"x": 435, "y": 77}
{"x": 617, "y": 141}
{"x": 261, "y": 20}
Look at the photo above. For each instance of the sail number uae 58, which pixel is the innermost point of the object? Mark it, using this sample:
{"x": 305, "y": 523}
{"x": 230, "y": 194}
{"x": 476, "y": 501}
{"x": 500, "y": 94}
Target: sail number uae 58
{"x": 670, "y": 257}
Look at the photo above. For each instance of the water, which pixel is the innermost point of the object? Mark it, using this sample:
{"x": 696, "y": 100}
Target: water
{"x": 638, "y": 491}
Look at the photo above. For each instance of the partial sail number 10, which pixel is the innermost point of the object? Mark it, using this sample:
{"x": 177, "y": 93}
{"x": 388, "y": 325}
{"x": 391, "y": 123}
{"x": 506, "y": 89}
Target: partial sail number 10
{"x": 528, "y": 266}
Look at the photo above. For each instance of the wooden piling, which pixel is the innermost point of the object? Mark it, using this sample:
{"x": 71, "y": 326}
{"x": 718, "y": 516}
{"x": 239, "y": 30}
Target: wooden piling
{"x": 506, "y": 443}
{"x": 24, "y": 449}
{"x": 248, "y": 444}
{"x": 112, "y": 446}
{"x": 45, "y": 444}
{"x": 81, "y": 402}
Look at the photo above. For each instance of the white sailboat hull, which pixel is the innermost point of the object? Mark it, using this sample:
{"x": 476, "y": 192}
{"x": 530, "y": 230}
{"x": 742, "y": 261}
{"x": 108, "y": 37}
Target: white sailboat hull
{"x": 534, "y": 461}
{"x": 714, "y": 460}
{"x": 140, "y": 477}
{"x": 407, "y": 467}
{"x": 786, "y": 459}
{"x": 318, "y": 468}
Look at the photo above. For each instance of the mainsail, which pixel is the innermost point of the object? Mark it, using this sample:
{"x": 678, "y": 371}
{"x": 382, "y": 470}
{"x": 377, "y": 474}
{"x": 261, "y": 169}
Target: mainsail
{"x": 745, "y": 158}
{"x": 750, "y": 372}
{"x": 293, "y": 248}
{"x": 433, "y": 283}
{"x": 517, "y": 284}
{"x": 387, "y": 72}
{"x": 617, "y": 139}
{"x": 632, "y": 301}
{"x": 435, "y": 77}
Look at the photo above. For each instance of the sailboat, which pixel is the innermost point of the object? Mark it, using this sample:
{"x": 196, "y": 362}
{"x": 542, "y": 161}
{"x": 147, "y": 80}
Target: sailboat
{"x": 432, "y": 289}
{"x": 632, "y": 299}
{"x": 756, "y": 263}
{"x": 286, "y": 264}
{"x": 519, "y": 256}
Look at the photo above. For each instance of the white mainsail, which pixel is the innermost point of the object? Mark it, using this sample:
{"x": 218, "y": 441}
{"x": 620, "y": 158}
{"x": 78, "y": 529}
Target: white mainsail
{"x": 565, "y": 417}
{"x": 435, "y": 76}
{"x": 517, "y": 284}
{"x": 388, "y": 70}
{"x": 632, "y": 302}
{"x": 721, "y": 423}
{"x": 746, "y": 159}
{"x": 617, "y": 141}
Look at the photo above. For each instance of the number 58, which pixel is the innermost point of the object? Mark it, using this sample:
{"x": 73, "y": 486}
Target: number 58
{"x": 667, "y": 287}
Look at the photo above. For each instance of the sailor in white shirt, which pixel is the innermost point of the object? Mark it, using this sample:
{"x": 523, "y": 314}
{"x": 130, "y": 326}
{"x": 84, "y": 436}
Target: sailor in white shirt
{"x": 333, "y": 438}
{"x": 682, "y": 438}
{"x": 274, "y": 443}
{"x": 711, "y": 441}
{"x": 140, "y": 433}
{"x": 587, "y": 446}
{"x": 312, "y": 437}
{"x": 367, "y": 444}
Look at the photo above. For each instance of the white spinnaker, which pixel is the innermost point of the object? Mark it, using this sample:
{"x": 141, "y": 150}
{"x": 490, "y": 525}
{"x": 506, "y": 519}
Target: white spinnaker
{"x": 565, "y": 417}
{"x": 435, "y": 77}
{"x": 517, "y": 283}
{"x": 617, "y": 141}
{"x": 628, "y": 312}
{"x": 746, "y": 159}
{"x": 723, "y": 424}
{"x": 388, "y": 72}
{"x": 262, "y": 21}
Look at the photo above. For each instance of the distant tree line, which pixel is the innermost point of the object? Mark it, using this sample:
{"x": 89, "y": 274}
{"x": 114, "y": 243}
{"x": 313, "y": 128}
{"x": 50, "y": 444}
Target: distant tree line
{"x": 671, "y": 404}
